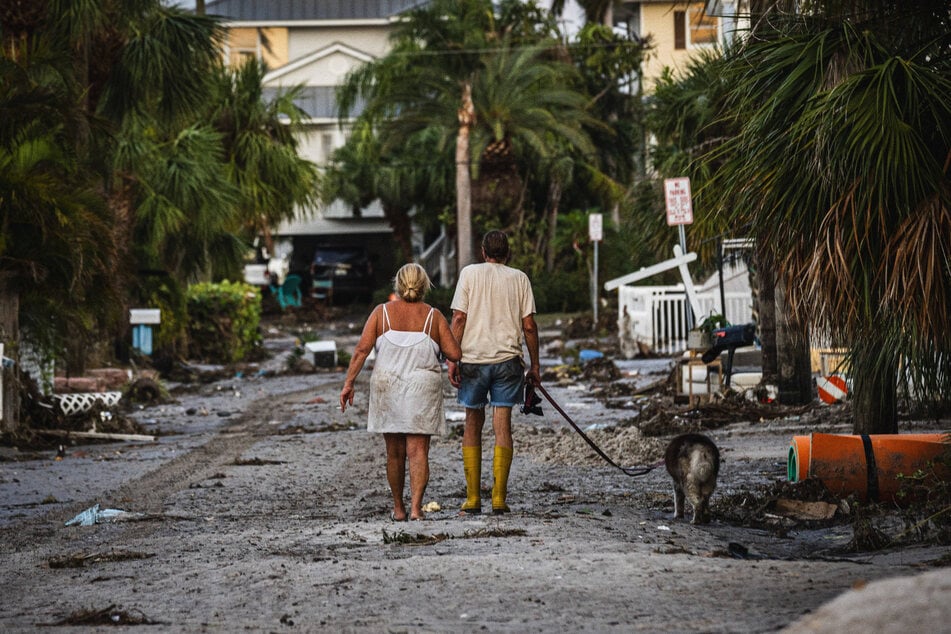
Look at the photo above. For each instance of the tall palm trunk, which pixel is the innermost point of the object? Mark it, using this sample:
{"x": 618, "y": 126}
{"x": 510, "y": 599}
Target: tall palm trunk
{"x": 554, "y": 202}
{"x": 874, "y": 393}
{"x": 792, "y": 354}
{"x": 766, "y": 313}
{"x": 398, "y": 218}
{"x": 9, "y": 333}
{"x": 464, "y": 178}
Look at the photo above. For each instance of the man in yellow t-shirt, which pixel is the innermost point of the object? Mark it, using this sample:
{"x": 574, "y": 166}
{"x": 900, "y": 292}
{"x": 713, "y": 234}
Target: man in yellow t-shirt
{"x": 493, "y": 315}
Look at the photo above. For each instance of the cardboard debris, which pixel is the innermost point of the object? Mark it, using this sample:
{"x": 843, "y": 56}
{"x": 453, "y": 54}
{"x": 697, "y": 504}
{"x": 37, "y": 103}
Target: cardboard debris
{"x": 797, "y": 509}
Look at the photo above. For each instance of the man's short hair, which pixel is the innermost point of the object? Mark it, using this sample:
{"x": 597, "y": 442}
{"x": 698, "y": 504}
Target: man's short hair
{"x": 496, "y": 245}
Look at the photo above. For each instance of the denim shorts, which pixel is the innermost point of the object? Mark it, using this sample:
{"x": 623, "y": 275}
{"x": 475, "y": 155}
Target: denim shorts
{"x": 500, "y": 382}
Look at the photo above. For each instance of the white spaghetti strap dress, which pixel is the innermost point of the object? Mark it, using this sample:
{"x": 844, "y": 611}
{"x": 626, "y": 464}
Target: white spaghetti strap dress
{"x": 406, "y": 384}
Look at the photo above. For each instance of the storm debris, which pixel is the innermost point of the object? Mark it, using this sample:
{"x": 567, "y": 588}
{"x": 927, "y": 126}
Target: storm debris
{"x": 80, "y": 560}
{"x": 111, "y": 615}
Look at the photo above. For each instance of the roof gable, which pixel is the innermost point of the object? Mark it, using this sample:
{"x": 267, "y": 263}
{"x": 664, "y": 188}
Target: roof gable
{"x": 334, "y": 60}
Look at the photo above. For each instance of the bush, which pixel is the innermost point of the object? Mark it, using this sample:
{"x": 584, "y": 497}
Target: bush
{"x": 223, "y": 321}
{"x": 171, "y": 337}
{"x": 561, "y": 292}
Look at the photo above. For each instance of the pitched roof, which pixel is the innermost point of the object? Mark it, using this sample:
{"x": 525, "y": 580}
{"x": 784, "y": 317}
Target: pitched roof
{"x": 308, "y": 10}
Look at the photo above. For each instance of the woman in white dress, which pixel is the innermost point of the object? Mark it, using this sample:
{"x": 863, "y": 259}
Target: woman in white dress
{"x": 406, "y": 399}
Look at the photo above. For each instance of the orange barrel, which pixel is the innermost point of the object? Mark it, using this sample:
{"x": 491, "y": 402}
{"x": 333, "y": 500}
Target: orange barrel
{"x": 797, "y": 463}
{"x": 868, "y": 465}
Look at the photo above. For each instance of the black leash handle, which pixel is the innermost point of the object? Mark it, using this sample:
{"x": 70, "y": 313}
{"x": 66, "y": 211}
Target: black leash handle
{"x": 631, "y": 471}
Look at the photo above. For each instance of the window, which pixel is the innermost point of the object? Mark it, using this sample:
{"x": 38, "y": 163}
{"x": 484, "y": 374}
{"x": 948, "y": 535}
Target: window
{"x": 680, "y": 30}
{"x": 694, "y": 28}
{"x": 242, "y": 45}
{"x": 326, "y": 146}
{"x": 703, "y": 28}
{"x": 240, "y": 57}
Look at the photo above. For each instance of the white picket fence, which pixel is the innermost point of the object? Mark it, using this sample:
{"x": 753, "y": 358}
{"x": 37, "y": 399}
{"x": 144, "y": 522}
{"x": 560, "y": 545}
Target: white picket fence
{"x": 654, "y": 315}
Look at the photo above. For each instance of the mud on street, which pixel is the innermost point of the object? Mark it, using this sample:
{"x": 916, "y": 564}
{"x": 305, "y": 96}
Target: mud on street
{"x": 261, "y": 507}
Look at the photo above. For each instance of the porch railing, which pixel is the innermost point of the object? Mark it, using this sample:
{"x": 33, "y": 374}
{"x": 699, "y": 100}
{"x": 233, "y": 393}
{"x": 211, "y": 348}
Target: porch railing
{"x": 654, "y": 315}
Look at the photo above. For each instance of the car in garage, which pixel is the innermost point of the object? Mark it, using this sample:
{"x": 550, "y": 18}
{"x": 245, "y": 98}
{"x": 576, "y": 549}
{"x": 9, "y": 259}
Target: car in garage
{"x": 341, "y": 272}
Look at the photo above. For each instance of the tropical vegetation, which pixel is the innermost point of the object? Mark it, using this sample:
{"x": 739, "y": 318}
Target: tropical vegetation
{"x": 827, "y": 137}
{"x": 131, "y": 163}
{"x": 493, "y": 120}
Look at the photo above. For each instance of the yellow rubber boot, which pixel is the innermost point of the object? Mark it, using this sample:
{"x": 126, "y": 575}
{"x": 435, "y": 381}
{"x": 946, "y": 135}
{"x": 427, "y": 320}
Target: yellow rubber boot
{"x": 472, "y": 467}
{"x": 501, "y": 465}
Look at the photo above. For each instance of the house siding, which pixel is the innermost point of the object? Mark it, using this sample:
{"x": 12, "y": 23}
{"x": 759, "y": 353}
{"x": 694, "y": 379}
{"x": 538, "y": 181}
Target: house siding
{"x": 658, "y": 20}
{"x": 306, "y": 40}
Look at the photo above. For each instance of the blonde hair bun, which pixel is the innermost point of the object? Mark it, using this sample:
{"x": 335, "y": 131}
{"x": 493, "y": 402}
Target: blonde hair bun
{"x": 411, "y": 282}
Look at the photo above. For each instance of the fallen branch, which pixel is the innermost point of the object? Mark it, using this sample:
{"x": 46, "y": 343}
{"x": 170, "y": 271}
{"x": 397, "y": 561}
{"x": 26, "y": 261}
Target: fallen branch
{"x": 65, "y": 433}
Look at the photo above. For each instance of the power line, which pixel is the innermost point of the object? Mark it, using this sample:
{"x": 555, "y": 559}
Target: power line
{"x": 500, "y": 49}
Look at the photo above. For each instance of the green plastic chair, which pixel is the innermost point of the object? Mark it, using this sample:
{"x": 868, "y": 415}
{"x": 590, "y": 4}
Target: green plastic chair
{"x": 289, "y": 293}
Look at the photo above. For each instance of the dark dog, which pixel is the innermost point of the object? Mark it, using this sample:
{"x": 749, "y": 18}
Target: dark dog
{"x": 693, "y": 461}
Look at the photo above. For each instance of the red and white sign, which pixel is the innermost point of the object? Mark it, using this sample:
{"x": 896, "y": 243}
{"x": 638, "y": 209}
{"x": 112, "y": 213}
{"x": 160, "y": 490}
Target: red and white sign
{"x": 678, "y": 200}
{"x": 832, "y": 389}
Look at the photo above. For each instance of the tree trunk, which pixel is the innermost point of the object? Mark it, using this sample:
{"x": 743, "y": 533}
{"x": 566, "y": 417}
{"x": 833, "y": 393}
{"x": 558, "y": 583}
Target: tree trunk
{"x": 764, "y": 306}
{"x": 874, "y": 390}
{"x": 399, "y": 221}
{"x": 554, "y": 202}
{"x": 792, "y": 354}
{"x": 10, "y": 338}
{"x": 464, "y": 179}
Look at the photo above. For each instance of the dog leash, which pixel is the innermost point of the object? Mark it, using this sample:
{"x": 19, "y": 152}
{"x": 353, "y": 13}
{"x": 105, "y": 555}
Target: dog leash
{"x": 529, "y": 405}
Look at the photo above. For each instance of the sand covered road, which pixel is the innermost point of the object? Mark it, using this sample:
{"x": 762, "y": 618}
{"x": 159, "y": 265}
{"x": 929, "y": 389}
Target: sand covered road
{"x": 275, "y": 518}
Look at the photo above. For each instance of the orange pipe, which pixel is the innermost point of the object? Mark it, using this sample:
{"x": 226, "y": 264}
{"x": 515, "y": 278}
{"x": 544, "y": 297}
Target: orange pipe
{"x": 868, "y": 466}
{"x": 797, "y": 464}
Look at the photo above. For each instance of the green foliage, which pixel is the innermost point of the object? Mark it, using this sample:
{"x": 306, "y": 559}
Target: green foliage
{"x": 561, "y": 292}
{"x": 441, "y": 299}
{"x": 223, "y": 321}
{"x": 551, "y": 122}
{"x": 166, "y": 294}
{"x": 837, "y": 164}
{"x": 711, "y": 322}
{"x": 126, "y": 147}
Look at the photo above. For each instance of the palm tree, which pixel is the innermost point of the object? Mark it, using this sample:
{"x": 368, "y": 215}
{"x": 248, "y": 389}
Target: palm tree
{"x": 840, "y": 166}
{"x": 595, "y": 11}
{"x": 56, "y": 255}
{"x": 526, "y": 106}
{"x": 488, "y": 85}
{"x": 406, "y": 176}
{"x": 260, "y": 145}
{"x": 426, "y": 79}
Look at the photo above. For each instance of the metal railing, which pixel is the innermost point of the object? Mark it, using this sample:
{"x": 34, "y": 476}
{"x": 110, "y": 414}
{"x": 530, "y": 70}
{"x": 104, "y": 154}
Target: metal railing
{"x": 439, "y": 260}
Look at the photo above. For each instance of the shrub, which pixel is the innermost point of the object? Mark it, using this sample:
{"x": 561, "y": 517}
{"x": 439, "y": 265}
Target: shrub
{"x": 561, "y": 292}
{"x": 171, "y": 336}
{"x": 223, "y": 321}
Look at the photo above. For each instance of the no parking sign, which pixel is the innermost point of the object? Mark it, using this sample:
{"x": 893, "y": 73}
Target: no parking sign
{"x": 677, "y": 199}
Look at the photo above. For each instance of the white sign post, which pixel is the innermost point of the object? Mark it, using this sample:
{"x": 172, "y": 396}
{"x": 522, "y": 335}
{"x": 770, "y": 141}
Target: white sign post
{"x": 596, "y": 234}
{"x": 679, "y": 205}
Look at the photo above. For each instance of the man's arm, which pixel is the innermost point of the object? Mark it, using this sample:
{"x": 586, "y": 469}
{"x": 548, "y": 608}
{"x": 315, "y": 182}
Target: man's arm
{"x": 530, "y": 330}
{"x": 458, "y": 328}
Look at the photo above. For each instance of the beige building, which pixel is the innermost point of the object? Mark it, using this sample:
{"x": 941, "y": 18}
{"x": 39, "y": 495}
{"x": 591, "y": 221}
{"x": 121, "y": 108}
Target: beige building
{"x": 314, "y": 44}
{"x": 679, "y": 30}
